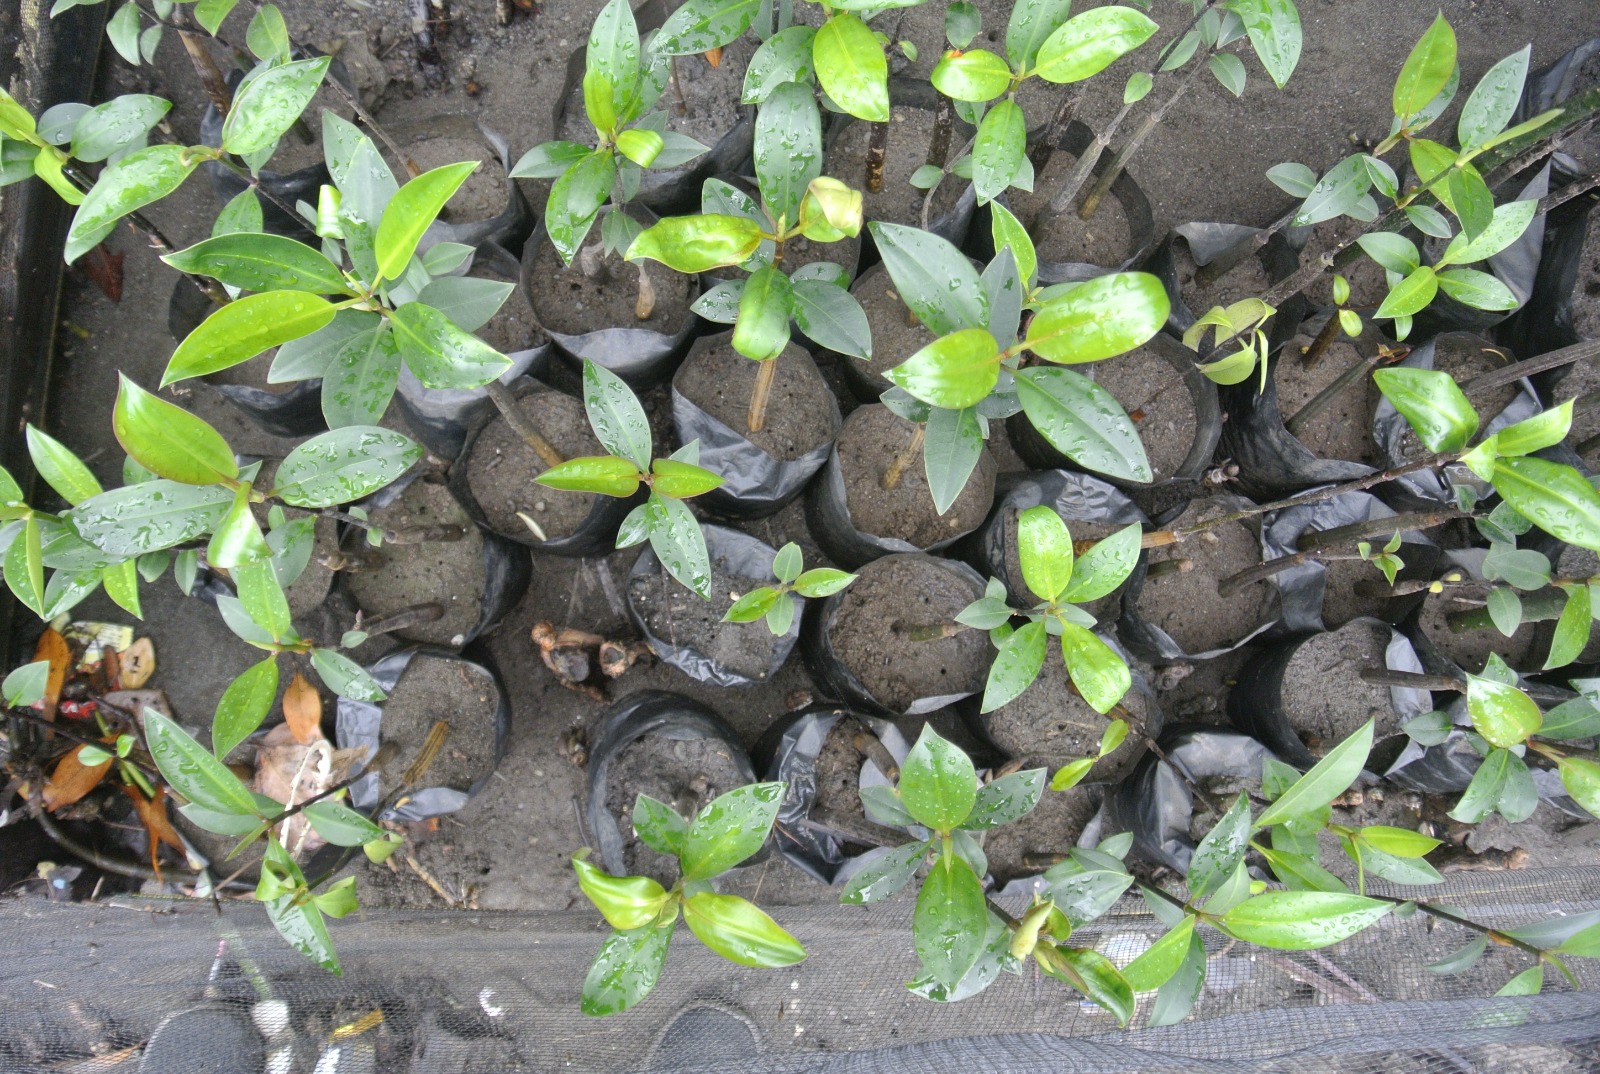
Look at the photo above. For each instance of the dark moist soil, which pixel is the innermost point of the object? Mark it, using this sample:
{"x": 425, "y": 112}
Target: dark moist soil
{"x": 1464, "y": 357}
{"x": 431, "y": 689}
{"x": 1152, "y": 392}
{"x": 485, "y": 193}
{"x": 1186, "y": 604}
{"x": 1340, "y": 600}
{"x": 1343, "y": 428}
{"x": 680, "y": 618}
{"x": 513, "y": 327}
{"x": 1104, "y": 608}
{"x": 1103, "y": 239}
{"x": 896, "y": 333}
{"x": 1222, "y": 790}
{"x": 1584, "y": 379}
{"x": 1049, "y": 724}
{"x": 1586, "y": 292}
{"x": 501, "y": 468}
{"x": 1247, "y": 279}
{"x": 838, "y": 774}
{"x": 1470, "y": 649}
{"x": 448, "y": 573}
{"x": 1368, "y": 283}
{"x": 871, "y": 438}
{"x": 684, "y": 773}
{"x": 710, "y": 94}
{"x": 890, "y": 597}
{"x": 910, "y": 130}
{"x": 1052, "y": 828}
{"x": 565, "y": 300}
{"x": 799, "y": 417}
{"x": 1325, "y": 697}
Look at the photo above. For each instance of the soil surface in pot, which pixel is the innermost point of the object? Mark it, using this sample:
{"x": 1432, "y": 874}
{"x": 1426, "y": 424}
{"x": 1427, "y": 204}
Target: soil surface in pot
{"x": 1186, "y": 604}
{"x": 1027, "y": 847}
{"x": 1222, "y": 790}
{"x": 1103, "y": 239}
{"x": 1582, "y": 380}
{"x": 1082, "y": 532}
{"x": 432, "y": 689}
{"x": 910, "y": 130}
{"x": 799, "y": 418}
{"x": 680, "y": 618}
{"x": 710, "y": 98}
{"x": 447, "y": 573}
{"x": 513, "y": 327}
{"x": 1586, "y": 292}
{"x": 1323, "y": 694}
{"x": 684, "y": 773}
{"x": 1471, "y": 648}
{"x": 896, "y": 333}
{"x": 1464, "y": 357}
{"x": 1343, "y": 428}
{"x": 501, "y": 468}
{"x": 1247, "y": 279}
{"x": 1368, "y": 284}
{"x": 485, "y": 193}
{"x": 871, "y": 631}
{"x": 838, "y": 781}
{"x": 872, "y": 437}
{"x": 1049, "y": 724}
{"x": 566, "y": 300}
{"x": 1152, "y": 392}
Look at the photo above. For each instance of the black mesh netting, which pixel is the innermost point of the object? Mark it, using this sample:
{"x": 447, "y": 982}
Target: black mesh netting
{"x": 143, "y": 985}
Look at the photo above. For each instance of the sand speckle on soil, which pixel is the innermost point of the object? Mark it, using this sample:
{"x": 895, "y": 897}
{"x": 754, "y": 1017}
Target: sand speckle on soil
{"x": 1186, "y": 604}
{"x": 501, "y": 468}
{"x": 1325, "y": 697}
{"x": 872, "y": 437}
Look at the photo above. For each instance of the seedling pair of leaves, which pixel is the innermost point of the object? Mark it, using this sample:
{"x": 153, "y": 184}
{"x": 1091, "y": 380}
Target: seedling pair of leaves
{"x": 644, "y": 914}
{"x": 973, "y": 372}
{"x": 390, "y": 305}
{"x": 67, "y": 132}
{"x": 778, "y": 604}
{"x": 1063, "y": 581}
{"x": 621, "y": 426}
{"x": 734, "y": 230}
{"x": 624, "y": 76}
{"x": 1529, "y": 570}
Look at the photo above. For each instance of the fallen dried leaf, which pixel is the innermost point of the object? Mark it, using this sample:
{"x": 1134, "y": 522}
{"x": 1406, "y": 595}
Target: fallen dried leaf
{"x": 302, "y": 710}
{"x": 138, "y": 663}
{"x": 289, "y": 771}
{"x": 72, "y": 779}
{"x": 714, "y": 56}
{"x": 153, "y": 814}
{"x": 54, "y": 648}
{"x": 105, "y": 269}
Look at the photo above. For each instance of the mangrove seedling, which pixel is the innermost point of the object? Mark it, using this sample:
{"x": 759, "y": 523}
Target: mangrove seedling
{"x": 644, "y": 915}
{"x": 621, "y": 426}
{"x": 777, "y": 604}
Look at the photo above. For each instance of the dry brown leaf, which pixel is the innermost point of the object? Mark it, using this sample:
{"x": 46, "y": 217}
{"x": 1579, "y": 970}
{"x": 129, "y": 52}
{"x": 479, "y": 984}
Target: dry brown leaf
{"x": 54, "y": 648}
{"x": 71, "y": 779}
{"x": 288, "y": 771}
{"x": 153, "y": 814}
{"x": 136, "y": 664}
{"x": 302, "y": 710}
{"x": 714, "y": 56}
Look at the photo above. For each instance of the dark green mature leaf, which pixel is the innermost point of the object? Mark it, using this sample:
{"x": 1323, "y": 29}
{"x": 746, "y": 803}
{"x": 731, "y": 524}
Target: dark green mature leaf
{"x": 1100, "y": 318}
{"x": 951, "y": 449}
{"x": 1556, "y": 498}
{"x": 441, "y": 354}
{"x": 150, "y": 516}
{"x": 299, "y": 922}
{"x": 830, "y": 316}
{"x": 974, "y": 75}
{"x": 1432, "y": 403}
{"x": 261, "y": 262}
{"x": 702, "y": 25}
{"x": 120, "y": 122}
{"x": 1493, "y": 100}
{"x": 998, "y": 153}
{"x": 168, "y": 440}
{"x": 1427, "y": 69}
{"x": 697, "y": 243}
{"x": 191, "y": 770}
{"x": 1302, "y": 920}
{"x": 1083, "y": 421}
{"x": 1274, "y": 29}
{"x": 1221, "y": 851}
{"x": 614, "y": 411}
{"x": 345, "y": 677}
{"x": 1509, "y": 222}
{"x": 729, "y": 829}
{"x": 1090, "y": 42}
{"x": 949, "y": 925}
{"x": 243, "y": 705}
{"x": 934, "y": 279}
{"x": 1015, "y": 666}
{"x": 1098, "y": 673}
{"x": 1006, "y": 800}
{"x": 938, "y": 784}
{"x": 244, "y": 328}
{"x": 851, "y": 67}
{"x": 268, "y": 103}
{"x": 1105, "y": 566}
{"x": 358, "y": 384}
{"x": 344, "y": 465}
{"x": 954, "y": 371}
{"x": 783, "y": 57}
{"x": 415, "y": 206}
{"x": 886, "y": 874}
{"x": 677, "y": 541}
{"x": 1327, "y": 779}
{"x": 739, "y": 931}
{"x": 659, "y": 826}
{"x": 1336, "y": 194}
{"x": 625, "y": 970}
{"x": 1030, "y": 24}
{"x": 1477, "y": 289}
{"x": 787, "y": 149}
{"x": 1044, "y": 549}
{"x": 24, "y": 568}
{"x": 131, "y": 183}
{"x": 762, "y": 330}
{"x": 1177, "y": 997}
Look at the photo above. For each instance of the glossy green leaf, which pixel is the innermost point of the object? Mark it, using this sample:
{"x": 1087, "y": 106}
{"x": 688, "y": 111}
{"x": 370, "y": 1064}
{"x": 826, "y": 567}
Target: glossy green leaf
{"x": 677, "y": 541}
{"x": 1427, "y": 69}
{"x": 832, "y": 317}
{"x": 575, "y": 199}
{"x": 1469, "y": 198}
{"x": 702, "y": 25}
{"x": 998, "y": 153}
{"x": 1555, "y": 497}
{"x": 261, "y": 262}
{"x": 268, "y": 103}
{"x": 607, "y": 475}
{"x": 822, "y": 582}
{"x": 1507, "y": 226}
{"x": 762, "y": 329}
{"x": 1015, "y": 666}
{"x": 1006, "y": 800}
{"x": 191, "y": 770}
{"x": 752, "y": 606}
{"x": 1503, "y": 715}
{"x": 681, "y": 481}
{"x": 1581, "y": 778}
{"x": 244, "y": 328}
{"x": 150, "y": 516}
{"x": 787, "y": 149}
{"x": 1326, "y": 780}
{"x": 954, "y": 371}
{"x": 949, "y": 924}
{"x": 1088, "y": 43}
{"x": 783, "y": 57}
{"x": 299, "y": 921}
{"x": 938, "y": 784}
{"x": 60, "y": 468}
{"x": 1162, "y": 959}
{"x": 1493, "y": 100}
{"x": 24, "y": 568}
{"x": 973, "y": 75}
{"x": 344, "y": 465}
{"x": 951, "y": 449}
{"x": 1477, "y": 289}
{"x": 739, "y": 931}
{"x": 887, "y": 873}
{"x": 1031, "y": 22}
{"x": 1302, "y": 920}
{"x": 345, "y": 677}
{"x": 1411, "y": 295}
{"x": 120, "y": 123}
{"x": 1229, "y": 72}
{"x": 1274, "y": 29}
{"x": 626, "y": 902}
{"x": 934, "y": 279}
{"x": 697, "y": 243}
{"x": 441, "y": 354}
{"x": 1100, "y": 675}
{"x": 851, "y": 67}
{"x": 1527, "y": 983}
{"x": 133, "y": 182}
{"x": 26, "y": 685}
{"x": 1083, "y": 421}
{"x": 237, "y": 539}
{"x": 243, "y": 705}
{"x": 1572, "y": 628}
{"x": 1099, "y": 318}
{"x": 1338, "y": 193}
{"x": 263, "y": 598}
{"x": 625, "y": 970}
{"x": 1105, "y": 566}
{"x": 168, "y": 440}
{"x": 1433, "y": 405}
{"x": 1221, "y": 851}
{"x": 1044, "y": 549}
{"x": 415, "y": 206}
{"x": 361, "y": 380}
{"x": 614, "y": 411}
{"x": 729, "y": 829}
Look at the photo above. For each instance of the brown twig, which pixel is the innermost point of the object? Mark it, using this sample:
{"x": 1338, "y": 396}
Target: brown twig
{"x": 898, "y": 465}
{"x": 506, "y": 403}
{"x": 755, "y": 418}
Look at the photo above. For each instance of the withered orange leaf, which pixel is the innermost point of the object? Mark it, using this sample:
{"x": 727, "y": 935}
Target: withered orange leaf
{"x": 72, "y": 779}
{"x": 105, "y": 269}
{"x": 302, "y": 710}
{"x": 54, "y": 648}
{"x": 153, "y": 814}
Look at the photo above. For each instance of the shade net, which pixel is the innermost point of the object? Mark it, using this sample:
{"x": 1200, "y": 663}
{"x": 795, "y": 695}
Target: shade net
{"x": 148, "y": 985}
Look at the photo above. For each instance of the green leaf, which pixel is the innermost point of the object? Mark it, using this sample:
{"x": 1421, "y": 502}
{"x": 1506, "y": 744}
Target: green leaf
{"x": 1577, "y": 718}
{"x": 1545, "y": 429}
{"x": 783, "y": 57}
{"x": 1006, "y": 800}
{"x": 697, "y": 243}
{"x": 1100, "y": 675}
{"x": 267, "y": 36}
{"x": 1556, "y": 498}
{"x": 415, "y": 206}
{"x": 1411, "y": 295}
{"x": 1229, "y": 72}
{"x": 1503, "y": 715}
{"x": 133, "y": 182}
{"x": 148, "y": 517}
{"x": 1274, "y": 29}
{"x": 1336, "y": 194}
{"x": 625, "y": 970}
{"x": 852, "y": 68}
{"x": 1477, "y": 289}
{"x": 787, "y": 149}
{"x": 1044, "y": 549}
{"x": 934, "y": 279}
{"x": 549, "y": 160}
{"x": 762, "y": 330}
{"x": 1581, "y": 778}
{"x": 613, "y": 48}
{"x": 830, "y": 316}
{"x": 1470, "y": 199}
{"x": 263, "y": 598}
{"x": 244, "y": 328}
{"x": 1302, "y": 920}
{"x": 886, "y": 874}
{"x": 626, "y": 902}
{"x": 1489, "y": 785}
{"x": 752, "y": 606}
{"x": 640, "y": 146}
{"x": 937, "y": 782}
{"x": 702, "y": 25}
{"x": 1401, "y": 842}
{"x": 344, "y": 465}
{"x": 1505, "y": 610}
{"x": 298, "y": 921}
{"x": 955, "y": 371}
{"x": 1008, "y": 233}
{"x": 363, "y": 377}
{"x": 1015, "y": 666}
{"x": 950, "y": 452}
{"x": 211, "y": 13}
{"x": 441, "y": 354}
{"x": 681, "y": 480}
{"x": 1427, "y": 69}
{"x": 1493, "y": 100}
{"x": 1071, "y": 774}
{"x": 614, "y": 411}
{"x": 25, "y": 686}
{"x": 1178, "y": 996}
{"x": 949, "y": 925}
{"x": 1083, "y": 421}
{"x": 168, "y": 440}
{"x": 193, "y": 772}
{"x": 739, "y": 931}
{"x": 1156, "y": 966}
{"x": 729, "y": 829}
{"x": 1327, "y": 779}
{"x": 1097, "y": 978}
{"x": 575, "y": 199}
{"x": 1030, "y": 24}
{"x": 345, "y": 677}
{"x": 973, "y": 75}
{"x": 60, "y": 468}
{"x": 998, "y": 153}
{"x": 1396, "y": 253}
{"x": 122, "y": 29}
{"x": 1432, "y": 403}
{"x": 1221, "y": 851}
{"x": 268, "y": 103}
{"x": 261, "y": 262}
{"x": 1105, "y": 566}
{"x": 119, "y": 124}
{"x": 659, "y": 826}
{"x": 677, "y": 541}
{"x": 243, "y": 705}
{"x": 1100, "y": 318}
{"x": 822, "y": 582}
{"x": 608, "y": 475}
{"x": 1507, "y": 226}
{"x": 1090, "y": 42}
{"x": 1527, "y": 983}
